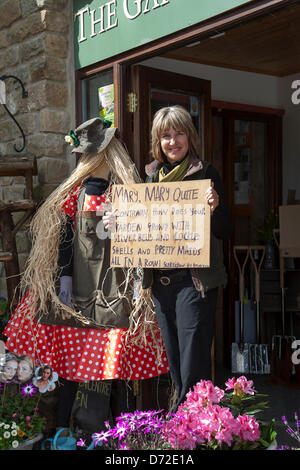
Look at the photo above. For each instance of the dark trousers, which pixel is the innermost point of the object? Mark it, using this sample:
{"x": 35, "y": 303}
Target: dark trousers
{"x": 186, "y": 320}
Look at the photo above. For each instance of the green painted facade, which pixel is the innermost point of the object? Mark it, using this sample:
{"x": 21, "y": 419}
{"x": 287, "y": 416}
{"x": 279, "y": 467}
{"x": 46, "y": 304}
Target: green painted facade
{"x": 104, "y": 28}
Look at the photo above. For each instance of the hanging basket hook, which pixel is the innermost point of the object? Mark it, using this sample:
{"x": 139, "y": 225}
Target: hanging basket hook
{"x": 24, "y": 95}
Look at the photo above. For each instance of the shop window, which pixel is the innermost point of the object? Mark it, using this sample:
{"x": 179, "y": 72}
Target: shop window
{"x": 250, "y": 152}
{"x": 98, "y": 96}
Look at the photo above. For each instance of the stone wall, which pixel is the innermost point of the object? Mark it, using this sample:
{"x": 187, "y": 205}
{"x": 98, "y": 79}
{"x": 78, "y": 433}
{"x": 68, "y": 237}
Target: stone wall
{"x": 36, "y": 46}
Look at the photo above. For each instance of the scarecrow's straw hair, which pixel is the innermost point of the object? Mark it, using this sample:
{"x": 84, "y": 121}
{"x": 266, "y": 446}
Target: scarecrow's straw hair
{"x": 41, "y": 275}
{"x": 47, "y": 226}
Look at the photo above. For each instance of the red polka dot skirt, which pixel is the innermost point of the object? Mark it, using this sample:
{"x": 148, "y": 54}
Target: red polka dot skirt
{"x": 84, "y": 354}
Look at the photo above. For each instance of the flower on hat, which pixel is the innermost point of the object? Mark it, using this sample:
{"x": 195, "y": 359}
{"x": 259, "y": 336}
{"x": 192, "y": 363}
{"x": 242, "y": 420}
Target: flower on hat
{"x": 72, "y": 139}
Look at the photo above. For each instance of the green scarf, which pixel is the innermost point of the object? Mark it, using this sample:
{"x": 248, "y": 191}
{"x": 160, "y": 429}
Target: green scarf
{"x": 176, "y": 174}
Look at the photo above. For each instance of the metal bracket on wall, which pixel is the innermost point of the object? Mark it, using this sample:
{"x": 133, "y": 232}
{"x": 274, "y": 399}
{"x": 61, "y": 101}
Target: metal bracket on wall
{"x": 24, "y": 95}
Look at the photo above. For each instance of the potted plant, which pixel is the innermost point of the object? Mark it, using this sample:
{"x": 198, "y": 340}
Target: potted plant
{"x": 20, "y": 423}
{"x": 209, "y": 419}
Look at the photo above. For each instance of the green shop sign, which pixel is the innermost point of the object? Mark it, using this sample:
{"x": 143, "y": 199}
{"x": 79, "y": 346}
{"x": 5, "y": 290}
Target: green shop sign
{"x": 104, "y": 28}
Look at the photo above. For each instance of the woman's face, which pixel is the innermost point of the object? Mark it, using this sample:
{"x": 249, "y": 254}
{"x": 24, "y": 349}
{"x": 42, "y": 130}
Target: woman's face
{"x": 10, "y": 369}
{"x": 174, "y": 144}
{"x": 46, "y": 374}
{"x": 24, "y": 371}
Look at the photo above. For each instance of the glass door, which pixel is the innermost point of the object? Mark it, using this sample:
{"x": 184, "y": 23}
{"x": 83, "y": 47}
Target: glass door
{"x": 155, "y": 89}
{"x": 246, "y": 149}
{"x": 250, "y": 150}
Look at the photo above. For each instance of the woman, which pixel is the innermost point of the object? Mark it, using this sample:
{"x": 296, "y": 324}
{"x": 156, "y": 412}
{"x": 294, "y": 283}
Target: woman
{"x": 45, "y": 379}
{"x": 186, "y": 307}
{"x": 78, "y": 314}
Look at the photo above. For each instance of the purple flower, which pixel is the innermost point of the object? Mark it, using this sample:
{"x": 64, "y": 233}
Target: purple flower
{"x": 28, "y": 389}
{"x": 81, "y": 443}
{"x": 120, "y": 430}
{"x": 101, "y": 436}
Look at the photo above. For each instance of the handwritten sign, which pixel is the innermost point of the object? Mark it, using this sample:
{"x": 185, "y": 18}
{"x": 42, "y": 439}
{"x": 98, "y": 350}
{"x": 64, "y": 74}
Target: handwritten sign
{"x": 161, "y": 225}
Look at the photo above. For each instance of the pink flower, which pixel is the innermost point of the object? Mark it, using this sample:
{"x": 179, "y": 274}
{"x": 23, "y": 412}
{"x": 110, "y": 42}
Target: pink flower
{"x": 14, "y": 415}
{"x": 211, "y": 423}
{"x": 241, "y": 385}
{"x": 249, "y": 428}
{"x": 203, "y": 393}
{"x": 28, "y": 418}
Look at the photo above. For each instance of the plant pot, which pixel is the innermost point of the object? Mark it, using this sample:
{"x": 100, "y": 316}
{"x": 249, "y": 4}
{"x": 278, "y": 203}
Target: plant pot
{"x": 28, "y": 444}
{"x": 272, "y": 446}
{"x": 269, "y": 261}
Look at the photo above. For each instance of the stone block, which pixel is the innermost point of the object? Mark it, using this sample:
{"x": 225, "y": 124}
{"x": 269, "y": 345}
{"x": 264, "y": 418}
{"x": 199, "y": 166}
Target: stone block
{"x": 16, "y": 103}
{"x": 48, "y": 67}
{"x": 4, "y": 41}
{"x": 14, "y": 192}
{"x": 22, "y": 72}
{"x": 56, "y": 68}
{"x": 3, "y": 150}
{"x": 32, "y": 47}
{"x": 6, "y": 131}
{"x": 52, "y": 170}
{"x": 28, "y": 26}
{"x": 56, "y": 45}
{"x": 54, "y": 121}
{"x": 9, "y": 12}
{"x": 54, "y": 21}
{"x": 6, "y": 181}
{"x": 29, "y": 123}
{"x": 47, "y": 94}
{"x": 28, "y": 7}
{"x": 22, "y": 242}
{"x": 46, "y": 145}
{"x": 9, "y": 57}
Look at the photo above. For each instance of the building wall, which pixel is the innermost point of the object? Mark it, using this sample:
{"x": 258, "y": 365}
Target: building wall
{"x": 36, "y": 45}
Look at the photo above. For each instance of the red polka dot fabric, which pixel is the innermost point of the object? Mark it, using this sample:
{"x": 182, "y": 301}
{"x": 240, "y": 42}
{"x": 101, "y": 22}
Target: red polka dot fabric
{"x": 82, "y": 354}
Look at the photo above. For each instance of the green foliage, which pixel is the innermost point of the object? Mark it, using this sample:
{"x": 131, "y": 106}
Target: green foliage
{"x": 270, "y": 223}
{"x": 19, "y": 418}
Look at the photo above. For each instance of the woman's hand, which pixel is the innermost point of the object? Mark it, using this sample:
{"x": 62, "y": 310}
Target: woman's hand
{"x": 212, "y": 197}
{"x": 109, "y": 221}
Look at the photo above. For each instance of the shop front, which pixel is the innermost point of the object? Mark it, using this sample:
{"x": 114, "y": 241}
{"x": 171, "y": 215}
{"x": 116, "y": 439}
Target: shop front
{"x": 232, "y": 65}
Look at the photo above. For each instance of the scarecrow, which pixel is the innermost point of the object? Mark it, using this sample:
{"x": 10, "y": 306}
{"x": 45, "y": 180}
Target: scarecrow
{"x": 78, "y": 314}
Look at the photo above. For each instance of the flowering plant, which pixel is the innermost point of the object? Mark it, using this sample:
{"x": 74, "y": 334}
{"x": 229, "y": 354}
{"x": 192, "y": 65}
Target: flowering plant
{"x": 210, "y": 418}
{"x": 293, "y": 432}
{"x": 19, "y": 418}
{"x": 133, "y": 431}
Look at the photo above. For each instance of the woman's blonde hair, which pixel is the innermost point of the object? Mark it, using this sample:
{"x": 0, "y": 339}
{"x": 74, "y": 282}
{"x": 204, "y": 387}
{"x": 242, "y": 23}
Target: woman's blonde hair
{"x": 178, "y": 118}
